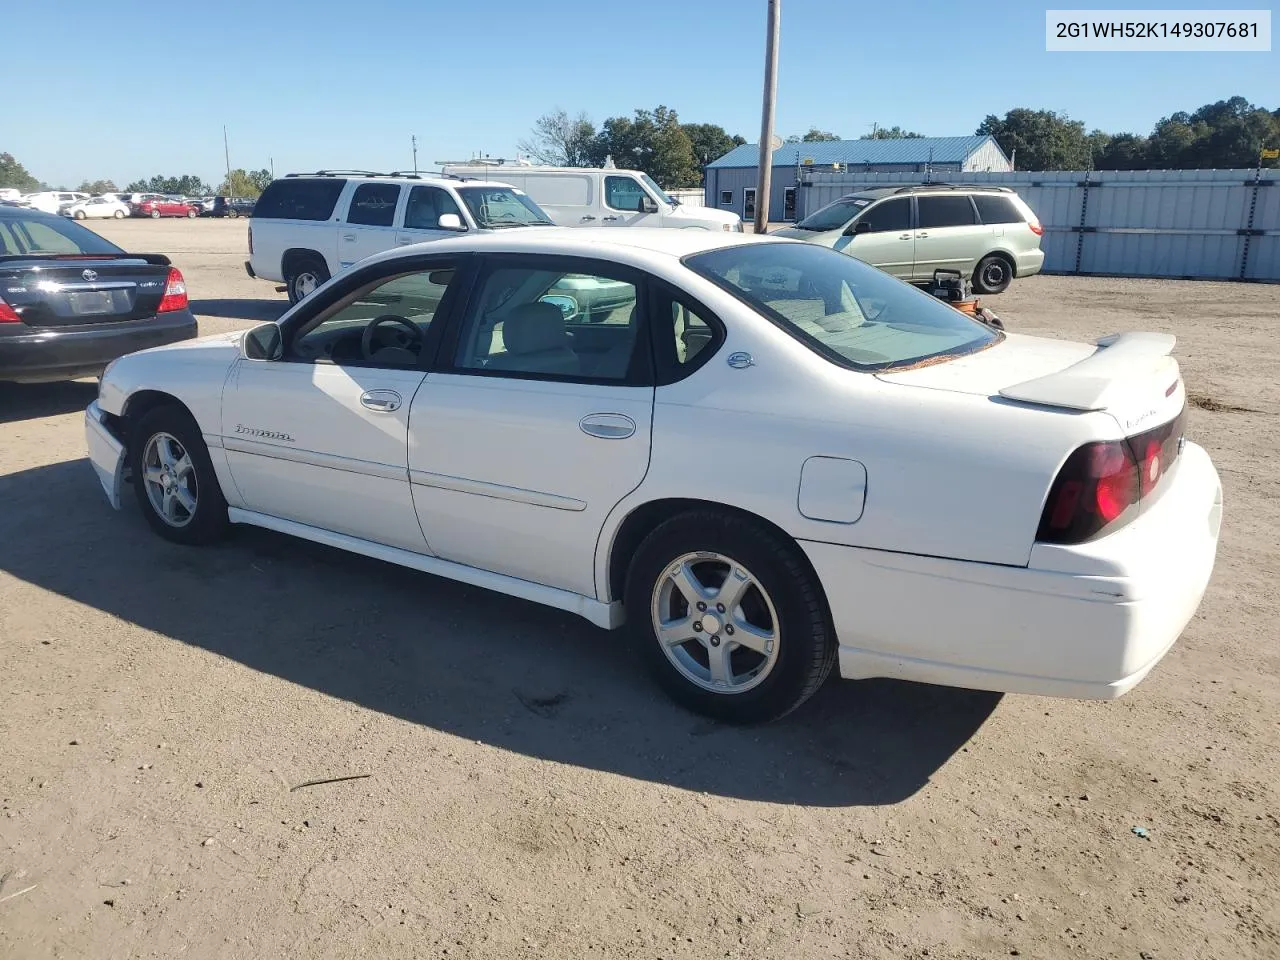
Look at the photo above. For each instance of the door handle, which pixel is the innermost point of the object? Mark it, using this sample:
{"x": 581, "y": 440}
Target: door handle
{"x": 905, "y": 236}
{"x": 613, "y": 218}
{"x": 403, "y": 241}
{"x": 383, "y": 401}
{"x": 587, "y": 217}
{"x": 921, "y": 236}
{"x": 607, "y": 426}
{"x": 349, "y": 236}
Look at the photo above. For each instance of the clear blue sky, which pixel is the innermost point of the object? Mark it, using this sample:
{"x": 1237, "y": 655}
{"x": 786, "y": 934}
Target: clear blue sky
{"x": 321, "y": 83}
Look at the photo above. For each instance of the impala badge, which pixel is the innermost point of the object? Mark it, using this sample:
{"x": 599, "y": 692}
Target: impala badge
{"x": 264, "y": 434}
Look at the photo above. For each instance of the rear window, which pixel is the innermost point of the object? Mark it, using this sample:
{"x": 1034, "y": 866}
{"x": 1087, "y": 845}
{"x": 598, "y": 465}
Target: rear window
{"x": 997, "y": 209}
{"x": 49, "y": 236}
{"x": 844, "y": 309}
{"x": 374, "y": 204}
{"x": 945, "y": 212}
{"x": 299, "y": 199}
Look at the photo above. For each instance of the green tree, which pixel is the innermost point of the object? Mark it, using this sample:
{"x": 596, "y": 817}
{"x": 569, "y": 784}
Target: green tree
{"x": 1226, "y": 134}
{"x": 1124, "y": 151}
{"x": 97, "y": 186}
{"x": 653, "y": 141}
{"x": 261, "y": 179}
{"x": 560, "y": 140}
{"x": 241, "y": 183}
{"x": 15, "y": 175}
{"x": 813, "y": 136}
{"x": 1043, "y": 139}
{"x": 891, "y": 133}
{"x": 710, "y": 141}
{"x": 187, "y": 185}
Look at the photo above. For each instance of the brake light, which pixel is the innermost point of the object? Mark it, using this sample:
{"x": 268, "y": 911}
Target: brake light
{"x": 1100, "y": 483}
{"x": 175, "y": 292}
{"x": 1034, "y": 224}
{"x": 8, "y": 314}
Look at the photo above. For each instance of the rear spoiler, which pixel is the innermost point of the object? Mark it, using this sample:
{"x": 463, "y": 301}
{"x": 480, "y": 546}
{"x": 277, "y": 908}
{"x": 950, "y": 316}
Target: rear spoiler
{"x": 156, "y": 259}
{"x": 1124, "y": 363}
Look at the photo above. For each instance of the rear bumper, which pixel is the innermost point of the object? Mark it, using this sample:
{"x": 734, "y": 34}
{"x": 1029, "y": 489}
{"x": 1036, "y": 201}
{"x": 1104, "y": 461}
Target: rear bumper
{"x": 36, "y": 355}
{"x": 106, "y": 453}
{"x": 1086, "y": 622}
{"x": 1028, "y": 263}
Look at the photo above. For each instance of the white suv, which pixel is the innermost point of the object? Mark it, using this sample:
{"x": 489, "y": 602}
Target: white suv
{"x": 307, "y": 228}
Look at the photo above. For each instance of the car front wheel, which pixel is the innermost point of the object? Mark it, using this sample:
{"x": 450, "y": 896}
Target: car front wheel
{"x": 119, "y": 214}
{"x": 173, "y": 478}
{"x": 729, "y": 617}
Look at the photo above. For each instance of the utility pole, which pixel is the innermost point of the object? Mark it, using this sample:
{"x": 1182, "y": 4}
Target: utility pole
{"x": 766, "y": 117}
{"x": 414, "y": 140}
{"x": 226, "y": 154}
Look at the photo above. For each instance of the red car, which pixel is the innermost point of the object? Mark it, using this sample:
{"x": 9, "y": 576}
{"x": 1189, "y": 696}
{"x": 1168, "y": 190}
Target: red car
{"x": 166, "y": 208}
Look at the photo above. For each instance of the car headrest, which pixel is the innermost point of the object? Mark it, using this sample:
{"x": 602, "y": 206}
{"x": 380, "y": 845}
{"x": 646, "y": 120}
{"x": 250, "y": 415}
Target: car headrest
{"x": 533, "y": 327}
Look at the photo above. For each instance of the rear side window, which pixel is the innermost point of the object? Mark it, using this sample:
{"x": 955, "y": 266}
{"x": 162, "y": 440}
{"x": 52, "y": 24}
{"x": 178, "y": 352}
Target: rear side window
{"x": 997, "y": 209}
{"x": 299, "y": 199}
{"x": 374, "y": 204}
{"x": 945, "y": 212}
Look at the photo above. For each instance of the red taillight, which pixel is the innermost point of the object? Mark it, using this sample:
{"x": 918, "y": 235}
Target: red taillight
{"x": 1101, "y": 482}
{"x": 175, "y": 292}
{"x": 1034, "y": 224}
{"x": 8, "y": 314}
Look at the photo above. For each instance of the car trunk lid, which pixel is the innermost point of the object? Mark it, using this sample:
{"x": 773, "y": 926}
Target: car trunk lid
{"x": 74, "y": 290}
{"x": 1131, "y": 376}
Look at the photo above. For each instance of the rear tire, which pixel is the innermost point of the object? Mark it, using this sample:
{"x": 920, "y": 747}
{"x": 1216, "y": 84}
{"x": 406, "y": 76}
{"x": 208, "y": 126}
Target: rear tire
{"x": 78, "y": 215}
{"x": 119, "y": 214}
{"x": 304, "y": 274}
{"x": 993, "y": 274}
{"x": 155, "y": 214}
{"x": 174, "y": 480}
{"x": 191, "y": 213}
{"x": 233, "y": 213}
{"x": 774, "y": 644}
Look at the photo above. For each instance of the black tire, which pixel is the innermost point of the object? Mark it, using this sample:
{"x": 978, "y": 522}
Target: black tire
{"x": 78, "y": 215}
{"x": 192, "y": 213}
{"x": 208, "y": 522}
{"x": 993, "y": 274}
{"x": 806, "y": 641}
{"x": 300, "y": 268}
{"x": 155, "y": 214}
{"x": 233, "y": 213}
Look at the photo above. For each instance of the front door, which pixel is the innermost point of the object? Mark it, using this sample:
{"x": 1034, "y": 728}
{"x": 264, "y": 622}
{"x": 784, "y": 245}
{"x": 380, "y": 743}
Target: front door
{"x": 949, "y": 235}
{"x": 320, "y": 436}
{"x": 370, "y": 226}
{"x": 422, "y": 212}
{"x": 887, "y": 241}
{"x": 749, "y": 204}
{"x": 625, "y": 201}
{"x": 538, "y": 422}
{"x": 789, "y": 204}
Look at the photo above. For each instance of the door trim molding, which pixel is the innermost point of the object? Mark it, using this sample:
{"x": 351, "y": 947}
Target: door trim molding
{"x": 606, "y": 615}
{"x": 497, "y": 491}
{"x": 314, "y": 458}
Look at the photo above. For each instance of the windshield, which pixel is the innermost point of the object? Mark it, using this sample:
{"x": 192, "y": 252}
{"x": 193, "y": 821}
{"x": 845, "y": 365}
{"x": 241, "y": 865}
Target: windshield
{"x": 657, "y": 190}
{"x": 40, "y": 236}
{"x": 834, "y": 215}
{"x": 850, "y": 312}
{"x": 497, "y": 207}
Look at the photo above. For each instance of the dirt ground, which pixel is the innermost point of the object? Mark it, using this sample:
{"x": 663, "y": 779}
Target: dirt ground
{"x": 524, "y": 792}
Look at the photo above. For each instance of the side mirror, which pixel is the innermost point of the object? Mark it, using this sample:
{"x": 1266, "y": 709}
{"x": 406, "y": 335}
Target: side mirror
{"x": 862, "y": 226}
{"x": 450, "y": 221}
{"x": 647, "y": 205}
{"x": 568, "y": 305}
{"x": 263, "y": 342}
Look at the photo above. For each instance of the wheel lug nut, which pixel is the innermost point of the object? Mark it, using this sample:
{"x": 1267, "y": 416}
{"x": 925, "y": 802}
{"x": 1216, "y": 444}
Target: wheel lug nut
{"x": 720, "y": 607}
{"x": 697, "y": 626}
{"x": 701, "y": 606}
{"x": 729, "y": 629}
{"x": 715, "y": 639}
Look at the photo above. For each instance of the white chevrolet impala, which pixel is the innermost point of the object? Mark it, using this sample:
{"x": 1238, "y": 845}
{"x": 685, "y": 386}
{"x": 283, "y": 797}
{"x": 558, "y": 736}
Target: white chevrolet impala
{"x": 763, "y": 457}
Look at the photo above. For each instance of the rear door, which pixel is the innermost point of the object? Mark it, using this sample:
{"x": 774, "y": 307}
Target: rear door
{"x": 949, "y": 235}
{"x": 888, "y": 241}
{"x": 370, "y": 223}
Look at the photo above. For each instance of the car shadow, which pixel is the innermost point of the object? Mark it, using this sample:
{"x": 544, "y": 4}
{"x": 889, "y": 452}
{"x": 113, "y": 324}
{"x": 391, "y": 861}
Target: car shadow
{"x": 466, "y": 661}
{"x": 30, "y": 401}
{"x": 241, "y": 309}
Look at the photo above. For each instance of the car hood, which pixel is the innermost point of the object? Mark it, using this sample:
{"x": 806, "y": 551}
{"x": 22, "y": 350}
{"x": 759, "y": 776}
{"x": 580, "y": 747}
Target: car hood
{"x": 703, "y": 215}
{"x": 826, "y": 238}
{"x": 1130, "y": 376}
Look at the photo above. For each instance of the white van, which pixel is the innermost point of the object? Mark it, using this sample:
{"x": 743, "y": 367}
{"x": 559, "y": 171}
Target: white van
{"x": 599, "y": 197}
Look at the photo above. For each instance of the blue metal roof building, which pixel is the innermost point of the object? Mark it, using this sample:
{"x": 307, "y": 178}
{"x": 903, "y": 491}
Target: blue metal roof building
{"x": 731, "y": 180}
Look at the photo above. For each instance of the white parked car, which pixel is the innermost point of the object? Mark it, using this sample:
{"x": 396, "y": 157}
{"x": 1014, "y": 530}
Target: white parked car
{"x": 769, "y": 459}
{"x": 601, "y": 197}
{"x": 97, "y": 208}
{"x": 52, "y": 201}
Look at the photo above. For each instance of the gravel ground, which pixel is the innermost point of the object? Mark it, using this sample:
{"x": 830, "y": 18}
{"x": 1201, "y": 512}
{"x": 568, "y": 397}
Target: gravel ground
{"x": 524, "y": 793}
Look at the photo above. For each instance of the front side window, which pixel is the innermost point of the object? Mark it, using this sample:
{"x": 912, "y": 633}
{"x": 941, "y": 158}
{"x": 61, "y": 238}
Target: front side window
{"x": 426, "y": 206}
{"x": 891, "y": 215}
{"x": 846, "y": 310}
{"x": 374, "y": 204}
{"x": 384, "y": 325}
{"x": 623, "y": 193}
{"x": 834, "y": 216}
{"x": 497, "y": 207}
{"x": 945, "y": 212}
{"x": 550, "y": 323}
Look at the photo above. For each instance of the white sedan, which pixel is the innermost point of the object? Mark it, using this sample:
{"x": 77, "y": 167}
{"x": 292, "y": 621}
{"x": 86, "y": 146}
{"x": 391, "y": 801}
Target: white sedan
{"x": 97, "y": 208}
{"x": 770, "y": 459}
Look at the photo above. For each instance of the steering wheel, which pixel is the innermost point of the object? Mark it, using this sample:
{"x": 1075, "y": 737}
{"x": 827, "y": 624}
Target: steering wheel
{"x": 407, "y": 342}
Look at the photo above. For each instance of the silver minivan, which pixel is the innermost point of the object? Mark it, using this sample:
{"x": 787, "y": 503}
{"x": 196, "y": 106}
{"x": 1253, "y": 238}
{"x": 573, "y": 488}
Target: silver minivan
{"x": 987, "y": 233}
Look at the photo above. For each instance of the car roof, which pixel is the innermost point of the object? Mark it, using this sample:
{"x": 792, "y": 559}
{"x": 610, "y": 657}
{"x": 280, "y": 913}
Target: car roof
{"x": 621, "y": 243}
{"x": 878, "y": 193}
{"x": 416, "y": 179}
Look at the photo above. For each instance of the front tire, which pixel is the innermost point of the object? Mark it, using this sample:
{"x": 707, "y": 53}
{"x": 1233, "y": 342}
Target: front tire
{"x": 728, "y": 617}
{"x": 305, "y": 274}
{"x": 173, "y": 478}
{"x": 993, "y": 274}
{"x": 155, "y": 214}
{"x": 79, "y": 215}
{"x": 119, "y": 214}
{"x": 191, "y": 213}
{"x": 233, "y": 213}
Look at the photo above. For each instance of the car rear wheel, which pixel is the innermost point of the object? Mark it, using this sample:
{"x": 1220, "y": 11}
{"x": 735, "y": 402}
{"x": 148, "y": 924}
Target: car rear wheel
{"x": 993, "y": 274}
{"x": 728, "y": 617}
{"x": 155, "y": 214}
{"x": 119, "y": 214}
{"x": 173, "y": 478}
{"x": 79, "y": 215}
{"x": 305, "y": 274}
{"x": 233, "y": 213}
{"x": 191, "y": 213}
